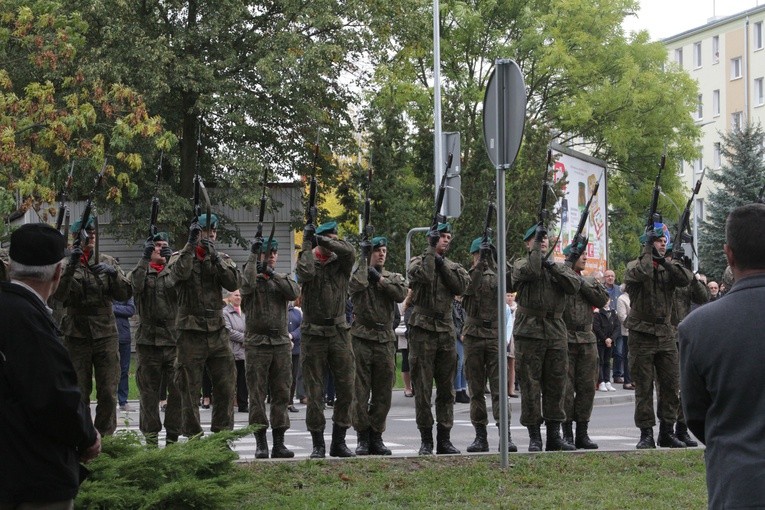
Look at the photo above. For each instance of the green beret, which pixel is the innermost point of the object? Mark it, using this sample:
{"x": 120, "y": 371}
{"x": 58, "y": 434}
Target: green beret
{"x": 329, "y": 227}
{"x": 213, "y": 221}
{"x": 379, "y": 242}
{"x": 568, "y": 248}
{"x": 475, "y": 246}
{"x": 659, "y": 231}
{"x": 271, "y": 246}
{"x": 161, "y": 236}
{"x": 445, "y": 228}
{"x": 530, "y": 232}
{"x": 76, "y": 225}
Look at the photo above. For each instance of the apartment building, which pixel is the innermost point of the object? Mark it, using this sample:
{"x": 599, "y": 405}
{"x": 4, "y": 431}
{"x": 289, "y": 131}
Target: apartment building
{"x": 727, "y": 59}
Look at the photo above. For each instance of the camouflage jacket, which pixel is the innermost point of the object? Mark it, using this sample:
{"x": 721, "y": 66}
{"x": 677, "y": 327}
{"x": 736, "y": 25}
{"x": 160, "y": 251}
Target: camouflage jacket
{"x": 88, "y": 299}
{"x": 480, "y": 300}
{"x": 433, "y": 290}
{"x": 265, "y": 302}
{"x": 374, "y": 304}
{"x": 325, "y": 286}
{"x": 542, "y": 297}
{"x": 156, "y": 298}
{"x": 651, "y": 288}
{"x": 578, "y": 312}
{"x": 200, "y": 284}
{"x": 695, "y": 293}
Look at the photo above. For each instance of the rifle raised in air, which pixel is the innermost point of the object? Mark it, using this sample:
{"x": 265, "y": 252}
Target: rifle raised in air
{"x": 653, "y": 217}
{"x": 63, "y": 209}
{"x": 684, "y": 233}
{"x": 437, "y": 216}
{"x": 82, "y": 235}
{"x": 155, "y": 201}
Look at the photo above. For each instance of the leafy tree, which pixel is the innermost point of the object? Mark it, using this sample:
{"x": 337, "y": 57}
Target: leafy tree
{"x": 51, "y": 114}
{"x": 737, "y": 183}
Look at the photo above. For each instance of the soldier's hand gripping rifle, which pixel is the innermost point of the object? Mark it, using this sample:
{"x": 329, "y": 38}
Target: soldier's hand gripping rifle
{"x": 684, "y": 234}
{"x": 367, "y": 230}
{"x": 257, "y": 247}
{"x": 653, "y": 217}
{"x": 82, "y": 235}
{"x": 155, "y": 202}
{"x": 63, "y": 210}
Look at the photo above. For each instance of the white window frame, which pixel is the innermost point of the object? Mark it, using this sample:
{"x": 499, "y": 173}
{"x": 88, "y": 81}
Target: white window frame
{"x": 716, "y": 103}
{"x": 697, "y": 165}
{"x": 757, "y": 35}
{"x": 716, "y": 49}
{"x": 697, "y": 55}
{"x": 736, "y": 71}
{"x": 717, "y": 155}
{"x": 679, "y": 57}
{"x": 736, "y": 121}
{"x": 699, "y": 210}
{"x": 759, "y": 92}
{"x": 700, "y": 107}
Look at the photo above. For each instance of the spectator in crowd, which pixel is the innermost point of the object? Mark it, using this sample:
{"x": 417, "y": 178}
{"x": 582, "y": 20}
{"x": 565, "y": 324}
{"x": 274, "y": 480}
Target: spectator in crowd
{"x": 606, "y": 327}
{"x": 510, "y": 307}
{"x": 294, "y": 319}
{"x": 406, "y": 375}
{"x": 714, "y": 290}
{"x": 232, "y": 314}
{"x": 617, "y": 351}
{"x": 460, "y": 382}
{"x": 123, "y": 311}
{"x": 622, "y": 312}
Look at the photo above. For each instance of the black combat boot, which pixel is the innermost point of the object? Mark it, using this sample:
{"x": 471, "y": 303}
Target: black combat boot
{"x": 582, "y": 438}
{"x": 480, "y": 443}
{"x": 362, "y": 446}
{"x": 279, "y": 451}
{"x": 338, "y": 448}
{"x": 510, "y": 445}
{"x": 568, "y": 432}
{"x": 681, "y": 432}
{"x": 261, "y": 442}
{"x": 443, "y": 442}
{"x": 646, "y": 439}
{"x": 426, "y": 447}
{"x": 535, "y": 438}
{"x": 171, "y": 438}
{"x": 554, "y": 442}
{"x": 376, "y": 445}
{"x": 319, "y": 449}
{"x": 667, "y": 437}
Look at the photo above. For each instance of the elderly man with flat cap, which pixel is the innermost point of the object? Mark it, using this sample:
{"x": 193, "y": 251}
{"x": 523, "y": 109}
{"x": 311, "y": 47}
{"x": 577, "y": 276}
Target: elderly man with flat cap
{"x": 201, "y": 272}
{"x": 323, "y": 269}
{"x": 375, "y": 292}
{"x": 156, "y": 296}
{"x": 88, "y": 288}
{"x": 45, "y": 423}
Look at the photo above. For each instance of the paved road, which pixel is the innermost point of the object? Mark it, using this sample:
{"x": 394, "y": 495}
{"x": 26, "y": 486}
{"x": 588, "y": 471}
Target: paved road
{"x": 611, "y": 427}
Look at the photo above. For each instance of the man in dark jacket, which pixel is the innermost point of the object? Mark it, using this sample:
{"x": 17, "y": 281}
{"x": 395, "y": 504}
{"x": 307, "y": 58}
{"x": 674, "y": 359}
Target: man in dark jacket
{"x": 46, "y": 425}
{"x": 123, "y": 311}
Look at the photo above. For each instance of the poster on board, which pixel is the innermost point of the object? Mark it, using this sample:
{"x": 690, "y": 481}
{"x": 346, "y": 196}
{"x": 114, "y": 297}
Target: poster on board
{"x": 581, "y": 172}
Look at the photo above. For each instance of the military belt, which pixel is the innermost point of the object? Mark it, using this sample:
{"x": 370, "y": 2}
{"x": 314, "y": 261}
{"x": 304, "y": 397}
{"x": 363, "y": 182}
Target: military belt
{"x": 579, "y": 329}
{"x": 540, "y": 313}
{"x": 329, "y": 321}
{"x": 648, "y": 317}
{"x": 268, "y": 332}
{"x": 95, "y": 310}
{"x": 377, "y": 326}
{"x": 429, "y": 313}
{"x": 481, "y": 322}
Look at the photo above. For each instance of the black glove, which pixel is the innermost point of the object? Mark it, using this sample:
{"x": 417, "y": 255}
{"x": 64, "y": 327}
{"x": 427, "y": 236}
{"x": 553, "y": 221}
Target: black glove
{"x": 265, "y": 269}
{"x": 148, "y": 248}
{"x": 439, "y": 261}
{"x": 209, "y": 246}
{"x": 373, "y": 275}
{"x": 257, "y": 245}
{"x": 485, "y": 250}
{"x": 75, "y": 256}
{"x": 104, "y": 268}
{"x": 657, "y": 257}
{"x": 541, "y": 233}
{"x": 433, "y": 237}
{"x": 548, "y": 264}
{"x": 268, "y": 271}
{"x": 366, "y": 249}
{"x": 260, "y": 267}
{"x": 166, "y": 252}
{"x": 574, "y": 254}
{"x": 309, "y": 234}
{"x": 194, "y": 232}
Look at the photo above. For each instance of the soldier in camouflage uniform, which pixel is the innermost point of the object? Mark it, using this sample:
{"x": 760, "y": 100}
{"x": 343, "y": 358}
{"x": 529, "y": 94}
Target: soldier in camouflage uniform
{"x": 434, "y": 281}
{"x": 3, "y": 265}
{"x": 651, "y": 281}
{"x": 265, "y": 298}
{"x": 156, "y": 298}
{"x": 480, "y": 337}
{"x": 87, "y": 289}
{"x": 541, "y": 348}
{"x": 323, "y": 270}
{"x": 582, "y": 349}
{"x": 695, "y": 293}
{"x": 374, "y": 294}
{"x": 201, "y": 273}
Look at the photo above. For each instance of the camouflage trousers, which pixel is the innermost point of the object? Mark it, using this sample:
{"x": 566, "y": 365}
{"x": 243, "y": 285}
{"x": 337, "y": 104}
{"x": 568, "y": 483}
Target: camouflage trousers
{"x": 649, "y": 353}
{"x": 375, "y": 376}
{"x": 318, "y": 351}
{"x": 482, "y": 364}
{"x": 432, "y": 355}
{"x": 659, "y": 404}
{"x": 98, "y": 357}
{"x": 154, "y": 364}
{"x": 582, "y": 378}
{"x": 269, "y": 372}
{"x": 197, "y": 349}
{"x": 543, "y": 372}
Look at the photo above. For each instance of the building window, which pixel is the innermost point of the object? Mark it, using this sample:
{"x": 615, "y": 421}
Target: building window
{"x": 737, "y": 121}
{"x": 759, "y": 92}
{"x": 716, "y": 49}
{"x": 757, "y": 35}
{"x": 717, "y": 155}
{"x": 679, "y": 57}
{"x": 697, "y": 165}
{"x": 716, "y": 102}
{"x": 696, "y": 55}
{"x": 700, "y": 107}
{"x": 699, "y": 210}
{"x": 735, "y": 68}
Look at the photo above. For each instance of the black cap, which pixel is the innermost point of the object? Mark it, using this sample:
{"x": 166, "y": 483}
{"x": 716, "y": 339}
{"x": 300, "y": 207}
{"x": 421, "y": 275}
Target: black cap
{"x": 37, "y": 244}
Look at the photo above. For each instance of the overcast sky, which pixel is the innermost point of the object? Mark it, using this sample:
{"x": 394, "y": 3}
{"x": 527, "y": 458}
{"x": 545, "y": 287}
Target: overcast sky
{"x": 664, "y": 18}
